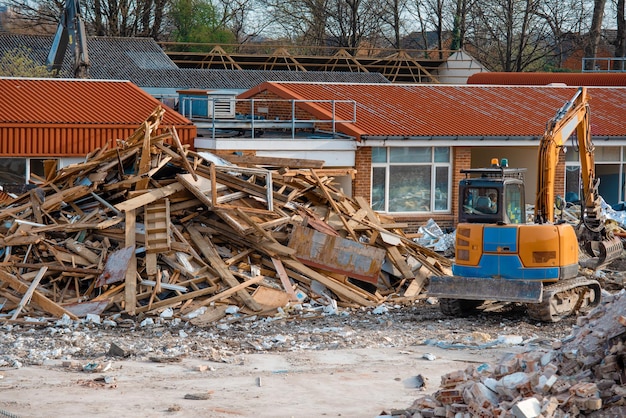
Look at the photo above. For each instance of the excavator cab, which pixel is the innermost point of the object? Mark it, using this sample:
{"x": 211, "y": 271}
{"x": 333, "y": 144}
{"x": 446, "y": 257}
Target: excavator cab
{"x": 493, "y": 195}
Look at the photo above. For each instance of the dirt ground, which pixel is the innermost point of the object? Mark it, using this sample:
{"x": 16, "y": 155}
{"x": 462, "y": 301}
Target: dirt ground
{"x": 338, "y": 383}
{"x": 358, "y": 364}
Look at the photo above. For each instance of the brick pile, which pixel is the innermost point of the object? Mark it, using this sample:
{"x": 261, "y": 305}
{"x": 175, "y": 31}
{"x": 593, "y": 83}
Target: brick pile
{"x": 582, "y": 376}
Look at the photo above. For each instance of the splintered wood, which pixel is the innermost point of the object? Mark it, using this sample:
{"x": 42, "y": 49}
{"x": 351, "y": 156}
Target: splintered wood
{"x": 146, "y": 224}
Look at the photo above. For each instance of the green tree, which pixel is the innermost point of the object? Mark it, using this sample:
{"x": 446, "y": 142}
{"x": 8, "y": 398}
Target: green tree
{"x": 196, "y": 21}
{"x": 18, "y": 63}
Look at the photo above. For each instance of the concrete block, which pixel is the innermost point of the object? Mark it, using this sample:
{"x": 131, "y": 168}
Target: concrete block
{"x": 528, "y": 408}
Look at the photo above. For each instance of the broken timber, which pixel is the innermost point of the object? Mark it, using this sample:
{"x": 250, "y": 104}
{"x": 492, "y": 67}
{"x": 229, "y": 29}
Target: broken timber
{"x": 145, "y": 224}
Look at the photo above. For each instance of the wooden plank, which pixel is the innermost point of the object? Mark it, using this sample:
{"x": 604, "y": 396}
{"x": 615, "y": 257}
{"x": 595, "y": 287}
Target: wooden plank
{"x": 35, "y": 203}
{"x": 197, "y": 188}
{"x": 59, "y": 268}
{"x": 144, "y": 160}
{"x": 29, "y": 293}
{"x": 229, "y": 292}
{"x": 333, "y": 204}
{"x": 275, "y": 161}
{"x": 38, "y": 298}
{"x": 130, "y": 290}
{"x": 331, "y": 284}
{"x": 209, "y": 251}
{"x": 182, "y": 153}
{"x": 82, "y": 250}
{"x": 284, "y": 279}
{"x": 149, "y": 197}
{"x": 213, "y": 314}
{"x": 270, "y": 298}
{"x": 198, "y": 293}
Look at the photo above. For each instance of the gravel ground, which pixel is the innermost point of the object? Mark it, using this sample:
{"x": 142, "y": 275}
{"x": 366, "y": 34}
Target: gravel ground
{"x": 386, "y": 326}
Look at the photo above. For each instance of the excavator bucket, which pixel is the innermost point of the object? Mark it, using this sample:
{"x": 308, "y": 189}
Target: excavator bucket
{"x": 602, "y": 253}
{"x": 478, "y": 288}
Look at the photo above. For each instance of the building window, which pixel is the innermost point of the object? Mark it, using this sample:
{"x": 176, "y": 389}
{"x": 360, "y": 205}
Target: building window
{"x": 610, "y": 168}
{"x": 411, "y": 179}
{"x": 22, "y": 170}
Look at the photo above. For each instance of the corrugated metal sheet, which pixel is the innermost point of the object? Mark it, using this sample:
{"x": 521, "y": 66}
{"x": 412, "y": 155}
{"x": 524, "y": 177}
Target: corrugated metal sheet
{"x": 453, "y": 111}
{"x": 65, "y": 117}
{"x": 543, "y": 79}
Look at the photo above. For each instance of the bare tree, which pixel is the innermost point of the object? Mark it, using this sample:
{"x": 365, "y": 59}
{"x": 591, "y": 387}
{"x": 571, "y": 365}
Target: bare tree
{"x": 438, "y": 20}
{"x": 620, "y": 38}
{"x": 591, "y": 47}
{"x": 240, "y": 17}
{"x": 510, "y": 35}
{"x": 391, "y": 21}
{"x": 567, "y": 20}
{"x": 102, "y": 17}
{"x": 458, "y": 29}
{"x": 303, "y": 21}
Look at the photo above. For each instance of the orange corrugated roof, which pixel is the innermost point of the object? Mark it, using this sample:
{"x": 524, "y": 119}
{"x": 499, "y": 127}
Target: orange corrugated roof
{"x": 64, "y": 101}
{"x": 544, "y": 78}
{"x": 419, "y": 110}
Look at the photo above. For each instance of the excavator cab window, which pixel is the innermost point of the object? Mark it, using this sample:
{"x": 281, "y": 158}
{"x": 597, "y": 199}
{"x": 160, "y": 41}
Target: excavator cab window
{"x": 481, "y": 201}
{"x": 515, "y": 210}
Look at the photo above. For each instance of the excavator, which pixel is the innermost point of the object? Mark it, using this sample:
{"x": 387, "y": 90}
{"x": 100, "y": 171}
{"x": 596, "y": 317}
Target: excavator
{"x": 71, "y": 30}
{"x": 500, "y": 257}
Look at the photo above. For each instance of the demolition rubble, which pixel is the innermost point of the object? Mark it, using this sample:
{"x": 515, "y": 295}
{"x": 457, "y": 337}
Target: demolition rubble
{"x": 582, "y": 376}
{"x": 146, "y": 228}
{"x": 145, "y": 225}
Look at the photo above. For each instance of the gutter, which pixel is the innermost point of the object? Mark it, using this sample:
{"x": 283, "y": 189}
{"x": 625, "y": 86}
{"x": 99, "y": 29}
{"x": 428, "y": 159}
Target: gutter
{"x": 468, "y": 141}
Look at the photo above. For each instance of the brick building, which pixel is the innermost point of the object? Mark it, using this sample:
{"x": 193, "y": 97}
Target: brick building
{"x": 408, "y": 143}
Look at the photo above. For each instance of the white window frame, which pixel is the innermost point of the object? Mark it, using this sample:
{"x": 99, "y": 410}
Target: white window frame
{"x": 433, "y": 166}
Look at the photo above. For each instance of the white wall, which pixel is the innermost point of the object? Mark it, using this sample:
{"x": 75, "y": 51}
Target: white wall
{"x": 519, "y": 157}
{"x": 458, "y": 67}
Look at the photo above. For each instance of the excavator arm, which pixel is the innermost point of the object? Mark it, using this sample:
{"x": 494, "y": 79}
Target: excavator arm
{"x": 71, "y": 31}
{"x": 574, "y": 117}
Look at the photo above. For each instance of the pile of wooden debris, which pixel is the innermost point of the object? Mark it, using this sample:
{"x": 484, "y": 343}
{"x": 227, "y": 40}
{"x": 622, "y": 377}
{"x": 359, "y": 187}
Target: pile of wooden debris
{"x": 145, "y": 225}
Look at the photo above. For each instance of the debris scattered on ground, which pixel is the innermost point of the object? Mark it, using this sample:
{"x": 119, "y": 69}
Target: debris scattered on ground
{"x": 582, "y": 376}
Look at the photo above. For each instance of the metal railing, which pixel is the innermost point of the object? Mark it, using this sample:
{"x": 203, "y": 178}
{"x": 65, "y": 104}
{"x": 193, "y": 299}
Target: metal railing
{"x": 604, "y": 64}
{"x": 252, "y": 114}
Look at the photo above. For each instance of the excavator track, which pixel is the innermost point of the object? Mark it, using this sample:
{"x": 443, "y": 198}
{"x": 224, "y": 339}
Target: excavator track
{"x": 564, "y": 298}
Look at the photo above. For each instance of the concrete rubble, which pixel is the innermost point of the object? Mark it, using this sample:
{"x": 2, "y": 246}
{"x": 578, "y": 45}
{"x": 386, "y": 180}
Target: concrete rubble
{"x": 583, "y": 375}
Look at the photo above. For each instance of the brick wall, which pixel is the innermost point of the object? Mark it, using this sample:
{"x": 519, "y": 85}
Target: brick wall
{"x": 559, "y": 181}
{"x": 362, "y": 183}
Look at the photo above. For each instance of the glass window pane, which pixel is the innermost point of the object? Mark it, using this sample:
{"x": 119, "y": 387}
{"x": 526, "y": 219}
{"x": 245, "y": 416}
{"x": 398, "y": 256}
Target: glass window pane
{"x": 607, "y": 153}
{"x": 515, "y": 210}
{"x": 12, "y": 171}
{"x": 572, "y": 183}
{"x": 410, "y": 155}
{"x": 441, "y": 188}
{"x": 608, "y": 174}
{"x": 379, "y": 155}
{"x": 378, "y": 188}
{"x": 571, "y": 155}
{"x": 442, "y": 154}
{"x": 411, "y": 188}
